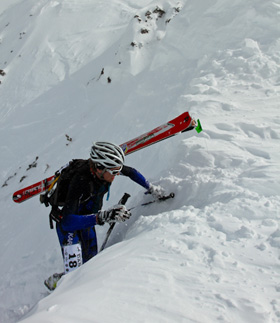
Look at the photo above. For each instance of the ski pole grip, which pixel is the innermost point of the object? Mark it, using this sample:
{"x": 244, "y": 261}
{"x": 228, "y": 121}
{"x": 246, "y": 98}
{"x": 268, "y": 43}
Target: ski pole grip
{"x": 124, "y": 199}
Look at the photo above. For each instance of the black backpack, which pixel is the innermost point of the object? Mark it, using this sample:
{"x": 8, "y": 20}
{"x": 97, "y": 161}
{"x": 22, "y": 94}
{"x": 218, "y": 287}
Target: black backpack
{"x": 57, "y": 193}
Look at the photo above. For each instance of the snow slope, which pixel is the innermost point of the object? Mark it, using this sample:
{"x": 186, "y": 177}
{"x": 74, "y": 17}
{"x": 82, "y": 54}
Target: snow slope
{"x": 111, "y": 70}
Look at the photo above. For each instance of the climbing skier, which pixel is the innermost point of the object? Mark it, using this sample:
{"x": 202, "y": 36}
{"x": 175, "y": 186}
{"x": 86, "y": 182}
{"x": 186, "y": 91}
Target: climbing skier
{"x": 82, "y": 209}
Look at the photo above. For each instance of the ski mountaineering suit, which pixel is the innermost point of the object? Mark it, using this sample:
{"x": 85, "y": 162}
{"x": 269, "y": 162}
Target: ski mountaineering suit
{"x": 84, "y": 199}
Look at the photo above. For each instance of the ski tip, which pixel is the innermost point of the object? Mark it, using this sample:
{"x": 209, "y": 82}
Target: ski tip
{"x": 17, "y": 197}
{"x": 198, "y": 128}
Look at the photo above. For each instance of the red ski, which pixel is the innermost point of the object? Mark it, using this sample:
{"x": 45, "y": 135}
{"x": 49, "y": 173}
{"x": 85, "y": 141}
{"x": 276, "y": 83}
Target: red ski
{"x": 32, "y": 190}
{"x": 180, "y": 124}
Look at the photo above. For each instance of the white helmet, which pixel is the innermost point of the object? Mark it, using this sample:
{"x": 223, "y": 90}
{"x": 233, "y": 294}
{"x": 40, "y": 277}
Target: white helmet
{"x": 107, "y": 155}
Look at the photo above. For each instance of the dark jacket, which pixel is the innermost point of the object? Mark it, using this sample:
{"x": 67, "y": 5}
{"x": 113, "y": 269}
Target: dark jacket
{"x": 85, "y": 197}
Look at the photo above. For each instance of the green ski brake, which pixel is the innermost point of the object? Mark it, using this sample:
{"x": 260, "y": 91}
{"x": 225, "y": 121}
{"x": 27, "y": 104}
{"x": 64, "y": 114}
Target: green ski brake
{"x": 198, "y": 128}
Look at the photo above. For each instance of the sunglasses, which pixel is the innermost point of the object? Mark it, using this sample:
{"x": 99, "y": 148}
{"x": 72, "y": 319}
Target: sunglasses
{"x": 113, "y": 172}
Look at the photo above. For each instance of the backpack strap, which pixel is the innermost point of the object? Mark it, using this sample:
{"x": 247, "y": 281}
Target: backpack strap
{"x": 44, "y": 198}
{"x": 55, "y": 215}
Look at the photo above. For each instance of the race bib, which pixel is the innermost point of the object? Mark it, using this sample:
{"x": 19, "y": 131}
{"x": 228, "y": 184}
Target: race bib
{"x": 72, "y": 257}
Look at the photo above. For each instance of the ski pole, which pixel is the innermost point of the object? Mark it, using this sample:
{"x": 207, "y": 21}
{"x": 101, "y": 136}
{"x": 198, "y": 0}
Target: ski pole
{"x": 122, "y": 201}
{"x": 162, "y": 198}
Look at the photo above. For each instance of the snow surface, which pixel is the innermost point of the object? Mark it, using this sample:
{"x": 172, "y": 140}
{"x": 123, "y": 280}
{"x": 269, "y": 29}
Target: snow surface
{"x": 107, "y": 70}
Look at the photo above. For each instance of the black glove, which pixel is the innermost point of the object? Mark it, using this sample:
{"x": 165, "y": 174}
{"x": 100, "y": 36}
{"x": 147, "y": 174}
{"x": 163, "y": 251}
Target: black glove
{"x": 117, "y": 213}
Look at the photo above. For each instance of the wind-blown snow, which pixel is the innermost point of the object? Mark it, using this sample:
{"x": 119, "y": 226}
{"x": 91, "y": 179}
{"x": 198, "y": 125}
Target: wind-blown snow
{"x": 77, "y": 71}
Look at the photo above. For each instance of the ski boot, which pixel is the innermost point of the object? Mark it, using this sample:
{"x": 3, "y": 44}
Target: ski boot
{"x": 52, "y": 281}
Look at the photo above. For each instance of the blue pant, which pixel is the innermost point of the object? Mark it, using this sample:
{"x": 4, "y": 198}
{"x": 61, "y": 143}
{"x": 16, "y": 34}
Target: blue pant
{"x": 86, "y": 237}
